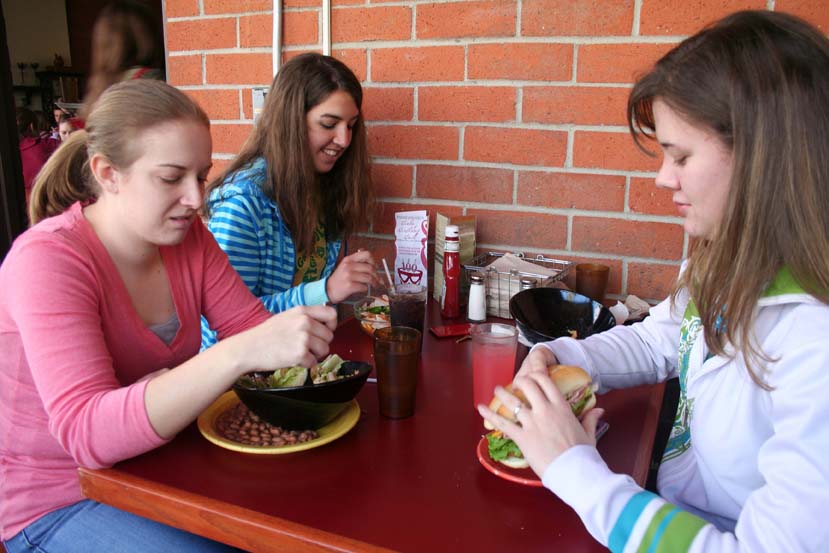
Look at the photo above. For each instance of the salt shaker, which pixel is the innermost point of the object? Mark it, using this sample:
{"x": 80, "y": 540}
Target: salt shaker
{"x": 477, "y": 299}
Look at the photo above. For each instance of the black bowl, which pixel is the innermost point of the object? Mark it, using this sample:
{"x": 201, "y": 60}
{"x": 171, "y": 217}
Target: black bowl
{"x": 308, "y": 407}
{"x": 544, "y": 314}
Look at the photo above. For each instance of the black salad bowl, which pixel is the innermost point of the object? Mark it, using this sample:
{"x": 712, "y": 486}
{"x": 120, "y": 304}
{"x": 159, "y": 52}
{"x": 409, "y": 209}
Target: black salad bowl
{"x": 544, "y": 314}
{"x": 307, "y": 407}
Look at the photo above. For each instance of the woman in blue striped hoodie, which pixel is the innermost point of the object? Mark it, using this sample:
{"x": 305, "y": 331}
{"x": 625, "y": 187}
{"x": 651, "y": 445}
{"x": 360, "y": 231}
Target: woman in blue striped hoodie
{"x": 299, "y": 186}
{"x": 741, "y": 113}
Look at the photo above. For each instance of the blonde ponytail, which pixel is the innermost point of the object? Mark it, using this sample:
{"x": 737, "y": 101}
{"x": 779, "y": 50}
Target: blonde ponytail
{"x": 63, "y": 180}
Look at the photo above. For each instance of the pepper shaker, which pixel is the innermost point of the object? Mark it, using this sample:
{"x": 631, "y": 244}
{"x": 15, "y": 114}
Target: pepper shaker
{"x": 528, "y": 282}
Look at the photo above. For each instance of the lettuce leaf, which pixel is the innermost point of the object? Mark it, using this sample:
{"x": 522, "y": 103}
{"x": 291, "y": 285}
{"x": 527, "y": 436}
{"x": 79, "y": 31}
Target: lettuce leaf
{"x": 578, "y": 407}
{"x": 501, "y": 447}
{"x": 288, "y": 377}
{"x": 327, "y": 370}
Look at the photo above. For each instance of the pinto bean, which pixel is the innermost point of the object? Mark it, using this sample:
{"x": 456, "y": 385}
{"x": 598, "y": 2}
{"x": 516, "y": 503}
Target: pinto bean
{"x": 241, "y": 425}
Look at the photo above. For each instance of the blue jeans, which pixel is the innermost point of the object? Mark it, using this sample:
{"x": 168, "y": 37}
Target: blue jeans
{"x": 89, "y": 526}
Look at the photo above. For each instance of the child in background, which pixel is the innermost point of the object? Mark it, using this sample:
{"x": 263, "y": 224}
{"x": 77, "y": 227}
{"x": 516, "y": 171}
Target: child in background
{"x": 63, "y": 114}
{"x": 66, "y": 126}
{"x": 57, "y": 112}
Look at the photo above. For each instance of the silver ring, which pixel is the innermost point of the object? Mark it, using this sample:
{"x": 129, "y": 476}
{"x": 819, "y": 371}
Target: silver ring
{"x": 517, "y": 410}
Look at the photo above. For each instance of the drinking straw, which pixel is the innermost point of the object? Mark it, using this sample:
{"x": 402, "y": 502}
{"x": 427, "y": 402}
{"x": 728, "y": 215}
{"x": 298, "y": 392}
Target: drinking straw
{"x": 388, "y": 275}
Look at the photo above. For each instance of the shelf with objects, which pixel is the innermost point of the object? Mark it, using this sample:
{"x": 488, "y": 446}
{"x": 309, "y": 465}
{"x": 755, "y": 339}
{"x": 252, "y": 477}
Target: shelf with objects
{"x": 64, "y": 84}
{"x": 29, "y": 91}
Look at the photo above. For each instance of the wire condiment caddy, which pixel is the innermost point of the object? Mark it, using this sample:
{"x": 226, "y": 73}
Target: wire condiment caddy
{"x": 502, "y": 285}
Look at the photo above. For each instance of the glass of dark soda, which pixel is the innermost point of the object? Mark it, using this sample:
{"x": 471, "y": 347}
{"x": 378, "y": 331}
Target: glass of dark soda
{"x": 396, "y": 356}
{"x": 407, "y": 306}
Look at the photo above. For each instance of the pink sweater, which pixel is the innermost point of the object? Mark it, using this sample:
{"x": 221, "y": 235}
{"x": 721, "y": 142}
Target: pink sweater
{"x": 72, "y": 348}
{"x": 33, "y": 154}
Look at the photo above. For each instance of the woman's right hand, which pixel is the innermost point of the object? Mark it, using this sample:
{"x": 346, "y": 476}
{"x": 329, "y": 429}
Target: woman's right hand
{"x": 298, "y": 336}
{"x": 352, "y": 275}
{"x": 537, "y": 361}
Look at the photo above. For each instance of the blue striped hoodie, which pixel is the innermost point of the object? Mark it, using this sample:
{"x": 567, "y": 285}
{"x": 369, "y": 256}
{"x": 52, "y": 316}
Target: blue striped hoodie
{"x": 249, "y": 228}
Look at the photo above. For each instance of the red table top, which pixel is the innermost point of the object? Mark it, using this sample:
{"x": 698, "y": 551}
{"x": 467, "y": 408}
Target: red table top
{"x": 406, "y": 485}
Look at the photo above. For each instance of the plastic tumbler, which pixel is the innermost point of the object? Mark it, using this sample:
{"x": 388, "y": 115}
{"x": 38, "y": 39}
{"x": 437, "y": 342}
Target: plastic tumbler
{"x": 407, "y": 306}
{"x": 493, "y": 359}
{"x": 396, "y": 356}
{"x": 591, "y": 280}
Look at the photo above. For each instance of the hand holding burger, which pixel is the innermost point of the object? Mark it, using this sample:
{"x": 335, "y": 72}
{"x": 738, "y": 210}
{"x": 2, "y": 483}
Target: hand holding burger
{"x": 545, "y": 425}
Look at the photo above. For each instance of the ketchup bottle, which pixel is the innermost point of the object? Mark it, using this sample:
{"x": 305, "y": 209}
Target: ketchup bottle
{"x": 449, "y": 300}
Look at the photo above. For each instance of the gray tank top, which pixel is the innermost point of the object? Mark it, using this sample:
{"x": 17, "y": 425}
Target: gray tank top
{"x": 166, "y": 331}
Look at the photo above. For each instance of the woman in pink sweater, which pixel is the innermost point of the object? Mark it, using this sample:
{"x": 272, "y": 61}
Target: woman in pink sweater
{"x": 99, "y": 321}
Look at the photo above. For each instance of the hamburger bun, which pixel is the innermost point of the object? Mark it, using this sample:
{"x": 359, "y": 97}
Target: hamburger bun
{"x": 567, "y": 378}
{"x": 515, "y": 462}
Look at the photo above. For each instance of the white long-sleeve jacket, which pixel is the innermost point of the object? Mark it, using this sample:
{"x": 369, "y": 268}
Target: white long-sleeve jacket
{"x": 745, "y": 469}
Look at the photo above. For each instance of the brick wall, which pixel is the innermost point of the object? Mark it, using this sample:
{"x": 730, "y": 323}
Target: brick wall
{"x": 510, "y": 110}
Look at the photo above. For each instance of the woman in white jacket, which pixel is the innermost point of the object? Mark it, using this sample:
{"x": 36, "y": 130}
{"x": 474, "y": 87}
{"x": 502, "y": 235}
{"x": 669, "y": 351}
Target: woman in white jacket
{"x": 741, "y": 113}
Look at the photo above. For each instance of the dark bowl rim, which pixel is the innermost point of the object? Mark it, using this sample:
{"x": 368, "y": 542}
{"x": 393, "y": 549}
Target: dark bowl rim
{"x": 522, "y": 324}
{"x": 362, "y": 371}
{"x": 542, "y": 290}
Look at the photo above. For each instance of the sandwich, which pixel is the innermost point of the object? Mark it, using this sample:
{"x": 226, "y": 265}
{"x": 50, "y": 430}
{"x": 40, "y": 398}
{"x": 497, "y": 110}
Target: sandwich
{"x": 574, "y": 384}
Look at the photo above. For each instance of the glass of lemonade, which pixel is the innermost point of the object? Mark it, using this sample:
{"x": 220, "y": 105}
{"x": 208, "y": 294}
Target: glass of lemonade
{"x": 493, "y": 359}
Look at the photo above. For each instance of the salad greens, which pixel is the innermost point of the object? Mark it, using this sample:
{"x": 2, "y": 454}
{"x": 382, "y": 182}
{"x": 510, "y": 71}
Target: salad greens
{"x": 328, "y": 370}
{"x": 289, "y": 377}
{"x": 501, "y": 447}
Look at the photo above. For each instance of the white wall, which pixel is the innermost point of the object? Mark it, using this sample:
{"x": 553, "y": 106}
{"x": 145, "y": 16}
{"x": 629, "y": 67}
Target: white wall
{"x": 36, "y": 31}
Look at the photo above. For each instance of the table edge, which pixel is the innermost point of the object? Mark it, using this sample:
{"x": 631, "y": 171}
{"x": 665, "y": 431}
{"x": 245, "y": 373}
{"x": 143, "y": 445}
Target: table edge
{"x": 211, "y": 518}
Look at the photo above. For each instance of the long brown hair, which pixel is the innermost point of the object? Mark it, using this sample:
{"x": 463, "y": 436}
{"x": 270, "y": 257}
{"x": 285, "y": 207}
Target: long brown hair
{"x": 120, "y": 115}
{"x": 340, "y": 199}
{"x": 760, "y": 82}
{"x": 26, "y": 122}
{"x": 125, "y": 35}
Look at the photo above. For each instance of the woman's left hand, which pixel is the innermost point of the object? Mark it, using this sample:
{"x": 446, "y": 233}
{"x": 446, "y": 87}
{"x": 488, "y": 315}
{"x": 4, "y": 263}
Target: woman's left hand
{"x": 547, "y": 427}
{"x": 353, "y": 275}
